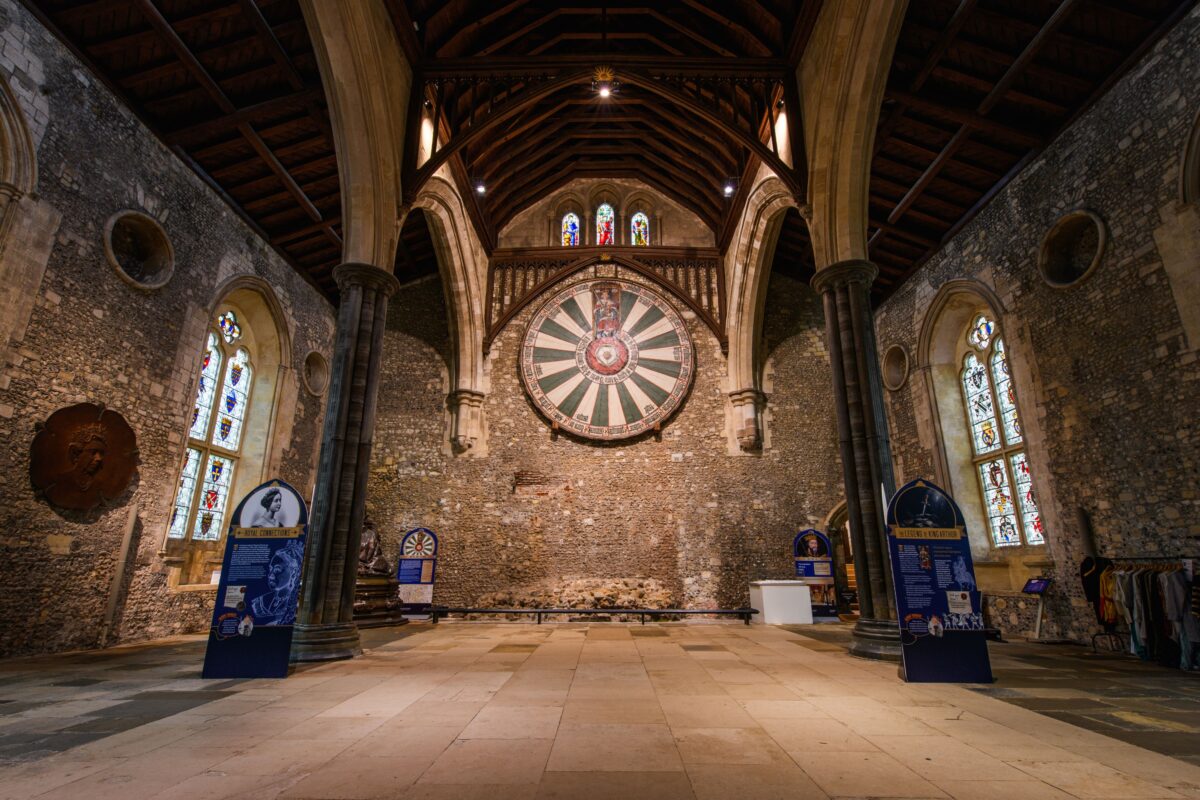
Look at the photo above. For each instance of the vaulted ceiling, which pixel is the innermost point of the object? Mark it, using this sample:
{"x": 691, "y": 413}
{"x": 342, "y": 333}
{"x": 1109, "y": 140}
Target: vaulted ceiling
{"x": 977, "y": 88}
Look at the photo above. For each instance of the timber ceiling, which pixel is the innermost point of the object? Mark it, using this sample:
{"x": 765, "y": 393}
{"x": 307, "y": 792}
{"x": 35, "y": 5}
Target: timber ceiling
{"x": 977, "y": 88}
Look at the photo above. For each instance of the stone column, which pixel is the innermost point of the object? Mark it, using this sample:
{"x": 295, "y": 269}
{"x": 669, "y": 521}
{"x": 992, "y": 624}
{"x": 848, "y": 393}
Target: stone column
{"x": 325, "y": 626}
{"x": 865, "y": 450}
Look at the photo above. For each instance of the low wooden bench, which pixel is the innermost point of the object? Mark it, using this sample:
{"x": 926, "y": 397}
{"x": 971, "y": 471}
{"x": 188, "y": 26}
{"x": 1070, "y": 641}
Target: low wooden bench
{"x": 743, "y": 614}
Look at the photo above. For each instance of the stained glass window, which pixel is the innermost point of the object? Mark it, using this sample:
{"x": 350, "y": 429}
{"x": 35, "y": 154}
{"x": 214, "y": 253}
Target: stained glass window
{"x": 996, "y": 439}
{"x": 605, "y": 225}
{"x": 232, "y": 409}
{"x": 215, "y": 434}
{"x": 210, "y": 369}
{"x": 639, "y": 230}
{"x": 231, "y": 331}
{"x": 570, "y": 230}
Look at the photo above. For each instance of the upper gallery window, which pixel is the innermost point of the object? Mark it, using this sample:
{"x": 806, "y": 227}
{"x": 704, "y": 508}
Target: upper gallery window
{"x": 570, "y": 230}
{"x": 639, "y": 230}
{"x": 605, "y": 225}
{"x": 997, "y": 442}
{"x": 214, "y": 439}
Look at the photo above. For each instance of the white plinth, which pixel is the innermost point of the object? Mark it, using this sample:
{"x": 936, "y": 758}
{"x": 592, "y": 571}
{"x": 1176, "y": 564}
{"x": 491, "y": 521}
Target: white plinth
{"x": 781, "y": 602}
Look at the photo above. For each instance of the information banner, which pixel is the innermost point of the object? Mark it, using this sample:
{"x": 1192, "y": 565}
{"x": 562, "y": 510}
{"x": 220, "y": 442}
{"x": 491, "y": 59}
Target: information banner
{"x": 937, "y": 602}
{"x": 813, "y": 554}
{"x": 251, "y": 632}
{"x": 415, "y": 570}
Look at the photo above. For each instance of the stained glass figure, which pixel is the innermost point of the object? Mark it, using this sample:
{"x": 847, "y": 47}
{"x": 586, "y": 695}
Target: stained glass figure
{"x": 605, "y": 225}
{"x": 231, "y": 331}
{"x": 998, "y": 500}
{"x": 1006, "y": 397}
{"x": 978, "y": 392}
{"x": 1030, "y": 515}
{"x": 639, "y": 230}
{"x": 228, "y": 432}
{"x": 210, "y": 370}
{"x": 570, "y": 230}
{"x": 184, "y": 495}
{"x": 980, "y": 334}
{"x": 214, "y": 497}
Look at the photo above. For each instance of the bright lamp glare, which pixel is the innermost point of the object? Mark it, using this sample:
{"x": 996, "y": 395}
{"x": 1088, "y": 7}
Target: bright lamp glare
{"x": 728, "y": 189}
{"x": 605, "y": 91}
{"x": 480, "y": 188}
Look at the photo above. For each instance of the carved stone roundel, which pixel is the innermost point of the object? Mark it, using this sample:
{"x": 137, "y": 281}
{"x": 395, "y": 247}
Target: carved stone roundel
{"x": 607, "y": 359}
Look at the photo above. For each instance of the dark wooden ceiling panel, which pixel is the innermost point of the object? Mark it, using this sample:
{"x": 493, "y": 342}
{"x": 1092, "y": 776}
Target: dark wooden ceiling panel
{"x": 977, "y": 89}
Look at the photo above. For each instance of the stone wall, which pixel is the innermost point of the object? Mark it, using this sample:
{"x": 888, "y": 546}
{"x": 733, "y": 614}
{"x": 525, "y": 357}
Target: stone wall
{"x": 1106, "y": 370}
{"x": 693, "y": 522}
{"x": 86, "y": 335}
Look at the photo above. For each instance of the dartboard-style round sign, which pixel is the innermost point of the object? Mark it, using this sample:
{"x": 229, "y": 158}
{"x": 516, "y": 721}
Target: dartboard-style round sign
{"x": 607, "y": 359}
{"x": 419, "y": 543}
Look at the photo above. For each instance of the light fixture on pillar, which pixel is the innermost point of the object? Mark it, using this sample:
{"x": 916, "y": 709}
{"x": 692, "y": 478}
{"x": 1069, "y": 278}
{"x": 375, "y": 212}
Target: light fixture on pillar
{"x": 605, "y": 83}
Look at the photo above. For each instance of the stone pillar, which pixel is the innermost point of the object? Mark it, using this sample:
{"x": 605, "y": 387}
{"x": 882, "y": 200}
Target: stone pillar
{"x": 747, "y": 414}
{"x": 865, "y": 450}
{"x": 325, "y": 626}
{"x": 466, "y": 412}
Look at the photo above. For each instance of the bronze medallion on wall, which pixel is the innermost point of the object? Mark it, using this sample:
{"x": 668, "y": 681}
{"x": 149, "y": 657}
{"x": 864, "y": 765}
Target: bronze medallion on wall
{"x": 83, "y": 455}
{"x": 607, "y": 359}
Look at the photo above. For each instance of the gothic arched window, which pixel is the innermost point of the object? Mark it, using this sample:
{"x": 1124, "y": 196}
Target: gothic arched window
{"x": 605, "y": 225}
{"x": 214, "y": 439}
{"x": 639, "y": 230}
{"x": 997, "y": 442}
{"x": 570, "y": 230}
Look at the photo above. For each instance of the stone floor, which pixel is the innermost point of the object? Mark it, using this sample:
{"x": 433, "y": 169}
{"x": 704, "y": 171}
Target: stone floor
{"x": 495, "y": 711}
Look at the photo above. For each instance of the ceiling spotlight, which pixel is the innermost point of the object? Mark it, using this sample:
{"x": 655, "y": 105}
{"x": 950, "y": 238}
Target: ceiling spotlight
{"x": 605, "y": 91}
{"x": 729, "y": 188}
{"x": 480, "y": 188}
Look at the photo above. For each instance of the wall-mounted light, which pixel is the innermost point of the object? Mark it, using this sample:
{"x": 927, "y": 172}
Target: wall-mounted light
{"x": 605, "y": 83}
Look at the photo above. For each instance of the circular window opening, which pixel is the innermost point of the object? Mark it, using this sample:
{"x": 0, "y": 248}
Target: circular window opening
{"x": 1072, "y": 249}
{"x": 139, "y": 250}
{"x": 316, "y": 373}
{"x": 895, "y": 367}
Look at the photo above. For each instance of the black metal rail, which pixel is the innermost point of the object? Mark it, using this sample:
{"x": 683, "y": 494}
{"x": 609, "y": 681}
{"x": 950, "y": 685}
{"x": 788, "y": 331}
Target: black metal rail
{"x": 743, "y": 614}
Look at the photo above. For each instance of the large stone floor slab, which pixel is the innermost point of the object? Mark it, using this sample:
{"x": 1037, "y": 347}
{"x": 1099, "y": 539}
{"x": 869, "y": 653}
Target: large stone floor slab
{"x": 495, "y": 711}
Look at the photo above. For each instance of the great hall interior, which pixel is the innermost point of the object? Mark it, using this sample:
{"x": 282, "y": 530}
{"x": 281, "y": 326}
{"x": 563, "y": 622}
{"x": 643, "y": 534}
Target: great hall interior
{"x": 512, "y": 399}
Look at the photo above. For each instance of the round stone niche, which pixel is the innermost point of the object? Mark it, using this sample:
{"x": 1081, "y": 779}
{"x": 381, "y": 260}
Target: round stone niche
{"x": 895, "y": 367}
{"x": 1072, "y": 248}
{"x": 316, "y": 373}
{"x": 138, "y": 249}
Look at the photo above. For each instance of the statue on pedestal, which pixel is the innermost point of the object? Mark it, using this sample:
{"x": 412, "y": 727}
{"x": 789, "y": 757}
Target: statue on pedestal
{"x": 375, "y": 592}
{"x": 371, "y": 560}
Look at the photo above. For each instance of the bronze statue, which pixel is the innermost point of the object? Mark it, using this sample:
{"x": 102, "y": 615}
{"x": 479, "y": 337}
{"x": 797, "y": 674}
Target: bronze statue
{"x": 84, "y": 455}
{"x": 371, "y": 560}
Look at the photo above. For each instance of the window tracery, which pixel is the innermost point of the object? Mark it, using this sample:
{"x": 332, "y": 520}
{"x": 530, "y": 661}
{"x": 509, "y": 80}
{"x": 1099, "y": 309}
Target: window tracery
{"x": 1001, "y": 466}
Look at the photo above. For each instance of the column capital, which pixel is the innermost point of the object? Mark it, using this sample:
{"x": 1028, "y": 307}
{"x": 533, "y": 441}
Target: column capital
{"x": 741, "y": 397}
{"x": 467, "y": 397}
{"x": 357, "y": 274}
{"x": 855, "y": 270}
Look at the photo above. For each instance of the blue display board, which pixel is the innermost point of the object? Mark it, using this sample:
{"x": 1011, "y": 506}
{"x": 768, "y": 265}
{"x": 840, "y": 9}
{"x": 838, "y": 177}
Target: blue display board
{"x": 813, "y": 554}
{"x": 251, "y": 632}
{"x": 938, "y": 604}
{"x": 416, "y": 569}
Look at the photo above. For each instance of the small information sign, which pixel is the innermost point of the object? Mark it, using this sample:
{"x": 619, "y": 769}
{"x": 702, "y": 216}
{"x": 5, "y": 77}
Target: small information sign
{"x": 813, "y": 554}
{"x": 938, "y": 605}
{"x": 251, "y": 631}
{"x": 415, "y": 570}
